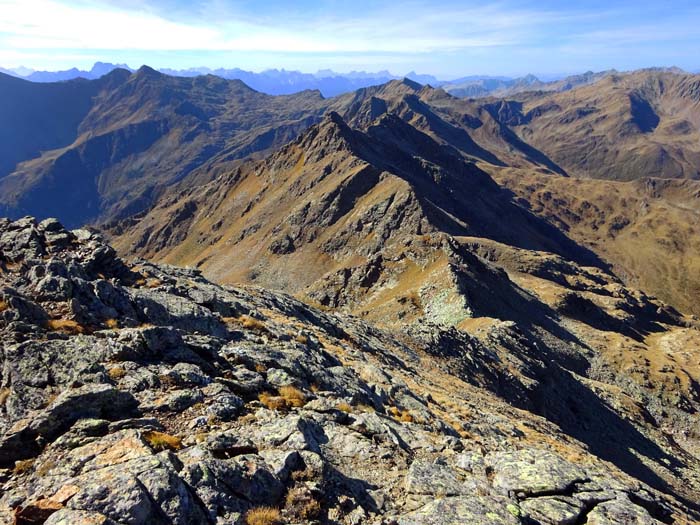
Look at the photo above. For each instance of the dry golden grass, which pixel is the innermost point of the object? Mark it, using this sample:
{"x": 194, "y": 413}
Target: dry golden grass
{"x": 303, "y": 475}
{"x": 116, "y": 373}
{"x": 293, "y": 496}
{"x": 153, "y": 283}
{"x": 344, "y": 407}
{"x": 406, "y": 417}
{"x": 22, "y": 466}
{"x": 272, "y": 402}
{"x": 311, "y": 510}
{"x": 401, "y": 415}
{"x": 66, "y": 326}
{"x": 247, "y": 418}
{"x": 293, "y": 396}
{"x": 289, "y": 397}
{"x": 3, "y": 305}
{"x": 51, "y": 398}
{"x": 263, "y": 516}
{"x": 260, "y": 368}
{"x": 162, "y": 441}
{"x": 301, "y": 503}
{"x": 251, "y": 323}
{"x": 4, "y": 394}
{"x": 301, "y": 339}
{"x": 112, "y": 324}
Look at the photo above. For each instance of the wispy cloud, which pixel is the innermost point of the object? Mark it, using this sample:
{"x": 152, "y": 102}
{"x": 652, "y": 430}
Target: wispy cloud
{"x": 41, "y": 24}
{"x": 460, "y": 36}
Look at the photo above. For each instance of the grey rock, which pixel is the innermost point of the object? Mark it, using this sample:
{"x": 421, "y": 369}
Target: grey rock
{"x": 534, "y": 472}
{"x": 434, "y": 479}
{"x": 464, "y": 509}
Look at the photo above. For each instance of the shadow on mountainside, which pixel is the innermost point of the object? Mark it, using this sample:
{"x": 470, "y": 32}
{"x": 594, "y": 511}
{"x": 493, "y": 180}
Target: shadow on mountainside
{"x": 580, "y": 413}
{"x": 457, "y": 196}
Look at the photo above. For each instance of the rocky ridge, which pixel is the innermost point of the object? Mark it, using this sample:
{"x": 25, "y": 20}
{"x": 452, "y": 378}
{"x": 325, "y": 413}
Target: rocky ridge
{"x": 142, "y": 393}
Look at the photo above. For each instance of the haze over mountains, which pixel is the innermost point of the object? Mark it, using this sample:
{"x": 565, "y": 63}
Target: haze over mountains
{"x": 328, "y": 82}
{"x": 470, "y": 303}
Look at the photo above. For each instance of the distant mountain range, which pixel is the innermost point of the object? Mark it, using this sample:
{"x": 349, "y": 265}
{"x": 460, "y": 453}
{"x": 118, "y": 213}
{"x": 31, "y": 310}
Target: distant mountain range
{"x": 331, "y": 83}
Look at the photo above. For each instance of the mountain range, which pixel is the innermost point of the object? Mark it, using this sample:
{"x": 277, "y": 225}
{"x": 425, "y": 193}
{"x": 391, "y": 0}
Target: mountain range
{"x": 121, "y": 143}
{"x": 329, "y": 82}
{"x": 393, "y": 305}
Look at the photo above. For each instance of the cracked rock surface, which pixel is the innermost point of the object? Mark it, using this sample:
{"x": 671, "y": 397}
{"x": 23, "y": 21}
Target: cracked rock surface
{"x": 144, "y": 394}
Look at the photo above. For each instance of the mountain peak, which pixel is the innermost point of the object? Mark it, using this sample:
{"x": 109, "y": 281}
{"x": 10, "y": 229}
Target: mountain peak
{"x": 147, "y": 71}
{"x": 334, "y": 117}
{"x": 400, "y": 87}
{"x": 331, "y": 134}
{"x": 411, "y": 84}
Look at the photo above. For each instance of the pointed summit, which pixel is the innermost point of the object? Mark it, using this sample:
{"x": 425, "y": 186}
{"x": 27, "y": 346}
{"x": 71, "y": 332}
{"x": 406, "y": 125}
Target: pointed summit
{"x": 147, "y": 72}
{"x": 330, "y": 135}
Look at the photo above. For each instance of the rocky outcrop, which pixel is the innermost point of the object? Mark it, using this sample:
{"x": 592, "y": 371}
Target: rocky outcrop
{"x": 142, "y": 393}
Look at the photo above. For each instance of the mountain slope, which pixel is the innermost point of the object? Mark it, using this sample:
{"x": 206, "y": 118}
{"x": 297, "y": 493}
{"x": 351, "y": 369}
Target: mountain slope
{"x": 125, "y": 138}
{"x": 139, "y": 135}
{"x": 335, "y": 193}
{"x": 40, "y": 117}
{"x": 388, "y": 225}
{"x": 647, "y": 229}
{"x": 624, "y": 127}
{"x": 185, "y": 401}
{"x": 148, "y": 135}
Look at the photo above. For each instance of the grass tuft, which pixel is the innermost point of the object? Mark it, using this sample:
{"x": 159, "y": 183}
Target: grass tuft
{"x": 401, "y": 415}
{"x": 272, "y": 402}
{"x": 116, "y": 373}
{"x": 263, "y": 516}
{"x": 302, "y": 504}
{"x": 344, "y": 407}
{"x": 22, "y": 466}
{"x": 162, "y": 441}
{"x": 66, "y": 326}
{"x": 153, "y": 283}
{"x": 293, "y": 396}
{"x": 251, "y": 323}
{"x": 289, "y": 397}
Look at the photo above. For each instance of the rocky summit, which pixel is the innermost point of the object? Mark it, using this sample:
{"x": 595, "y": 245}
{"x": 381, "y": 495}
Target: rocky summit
{"x": 138, "y": 393}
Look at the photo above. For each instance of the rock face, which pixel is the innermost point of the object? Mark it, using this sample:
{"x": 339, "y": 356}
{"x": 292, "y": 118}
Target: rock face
{"x": 141, "y": 394}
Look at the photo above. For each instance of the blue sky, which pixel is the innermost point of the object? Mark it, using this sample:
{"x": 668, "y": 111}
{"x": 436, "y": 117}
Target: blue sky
{"x": 447, "y": 39}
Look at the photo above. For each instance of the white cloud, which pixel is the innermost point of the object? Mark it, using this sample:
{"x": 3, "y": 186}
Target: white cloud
{"x": 52, "y": 24}
{"x": 465, "y": 36}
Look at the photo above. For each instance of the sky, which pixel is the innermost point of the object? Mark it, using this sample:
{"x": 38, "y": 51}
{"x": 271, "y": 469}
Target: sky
{"x": 447, "y": 39}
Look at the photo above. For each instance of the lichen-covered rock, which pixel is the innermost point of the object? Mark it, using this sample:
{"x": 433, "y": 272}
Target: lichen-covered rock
{"x": 144, "y": 394}
{"x": 435, "y": 479}
{"x": 535, "y": 472}
{"x": 464, "y": 509}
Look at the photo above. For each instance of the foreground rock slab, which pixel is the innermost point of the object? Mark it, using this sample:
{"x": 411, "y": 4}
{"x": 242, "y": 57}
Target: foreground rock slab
{"x": 144, "y": 394}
